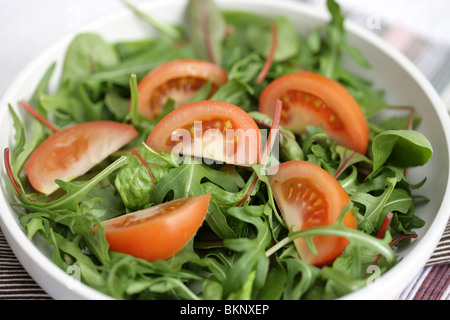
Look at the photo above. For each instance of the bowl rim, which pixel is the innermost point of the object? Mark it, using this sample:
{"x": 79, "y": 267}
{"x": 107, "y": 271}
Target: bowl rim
{"x": 27, "y": 251}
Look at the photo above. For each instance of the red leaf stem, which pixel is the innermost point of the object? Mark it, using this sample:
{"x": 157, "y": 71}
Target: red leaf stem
{"x": 284, "y": 134}
{"x": 340, "y": 169}
{"x": 267, "y": 149}
{"x": 401, "y": 237}
{"x": 39, "y": 117}
{"x": 134, "y": 152}
{"x": 268, "y": 63}
{"x": 273, "y": 132}
{"x": 385, "y": 225}
{"x": 411, "y": 111}
{"x": 10, "y": 173}
{"x": 207, "y": 36}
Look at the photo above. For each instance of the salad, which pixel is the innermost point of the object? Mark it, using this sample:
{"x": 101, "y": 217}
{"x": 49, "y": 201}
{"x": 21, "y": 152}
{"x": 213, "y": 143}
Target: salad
{"x": 229, "y": 158}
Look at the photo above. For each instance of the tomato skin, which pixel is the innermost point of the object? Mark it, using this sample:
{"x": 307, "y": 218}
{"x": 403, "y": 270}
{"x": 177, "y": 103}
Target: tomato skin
{"x": 72, "y": 152}
{"x": 208, "y": 111}
{"x": 323, "y": 191}
{"x": 154, "y": 234}
{"x": 336, "y": 111}
{"x": 180, "y": 68}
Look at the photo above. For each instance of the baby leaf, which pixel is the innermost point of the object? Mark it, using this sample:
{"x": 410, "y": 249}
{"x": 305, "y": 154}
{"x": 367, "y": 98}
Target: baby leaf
{"x": 402, "y": 148}
{"x": 87, "y": 53}
{"x": 206, "y": 28}
{"x": 288, "y": 42}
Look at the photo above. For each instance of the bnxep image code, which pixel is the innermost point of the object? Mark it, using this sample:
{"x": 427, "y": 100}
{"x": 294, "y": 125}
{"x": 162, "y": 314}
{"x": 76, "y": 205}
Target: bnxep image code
{"x": 224, "y": 309}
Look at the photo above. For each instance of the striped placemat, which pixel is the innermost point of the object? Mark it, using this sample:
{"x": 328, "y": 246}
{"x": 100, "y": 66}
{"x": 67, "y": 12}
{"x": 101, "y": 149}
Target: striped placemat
{"x": 15, "y": 282}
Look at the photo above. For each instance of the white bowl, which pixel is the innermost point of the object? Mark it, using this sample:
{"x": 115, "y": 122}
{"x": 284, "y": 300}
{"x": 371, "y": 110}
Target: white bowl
{"x": 391, "y": 71}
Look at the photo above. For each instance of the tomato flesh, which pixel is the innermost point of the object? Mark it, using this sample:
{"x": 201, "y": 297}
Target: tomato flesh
{"x": 157, "y": 233}
{"x": 72, "y": 152}
{"x": 179, "y": 80}
{"x": 179, "y": 89}
{"x": 311, "y": 99}
{"x": 308, "y": 196}
{"x": 313, "y": 112}
{"x": 214, "y": 130}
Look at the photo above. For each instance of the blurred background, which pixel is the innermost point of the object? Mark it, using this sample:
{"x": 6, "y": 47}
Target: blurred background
{"x": 418, "y": 28}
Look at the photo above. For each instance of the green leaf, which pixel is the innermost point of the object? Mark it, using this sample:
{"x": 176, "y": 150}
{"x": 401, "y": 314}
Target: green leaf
{"x": 117, "y": 105}
{"x": 140, "y": 122}
{"x": 134, "y": 182}
{"x": 374, "y": 205}
{"x": 289, "y": 147}
{"x": 20, "y": 140}
{"x": 313, "y": 40}
{"x": 206, "y": 29}
{"x": 402, "y": 148}
{"x": 356, "y": 55}
{"x": 74, "y": 193}
{"x": 295, "y": 289}
{"x": 253, "y": 257}
{"x": 87, "y": 53}
{"x": 34, "y": 225}
{"x": 66, "y": 105}
{"x": 357, "y": 236}
{"x": 24, "y": 147}
{"x": 275, "y": 283}
{"x": 288, "y": 43}
{"x": 164, "y": 28}
{"x": 187, "y": 179}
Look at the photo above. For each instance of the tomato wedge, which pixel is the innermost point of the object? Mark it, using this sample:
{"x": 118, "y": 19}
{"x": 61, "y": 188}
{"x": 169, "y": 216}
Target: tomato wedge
{"x": 179, "y": 80}
{"x": 209, "y": 129}
{"x": 157, "y": 233}
{"x": 309, "y": 196}
{"x": 72, "y": 152}
{"x": 313, "y": 99}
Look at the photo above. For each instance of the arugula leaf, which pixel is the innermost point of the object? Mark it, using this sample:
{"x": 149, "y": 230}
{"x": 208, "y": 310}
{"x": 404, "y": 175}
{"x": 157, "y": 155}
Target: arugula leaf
{"x": 253, "y": 258}
{"x": 74, "y": 193}
{"x": 374, "y": 206}
{"x": 274, "y": 284}
{"x": 166, "y": 29}
{"x": 336, "y": 36}
{"x": 187, "y": 179}
{"x": 24, "y": 147}
{"x": 295, "y": 289}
